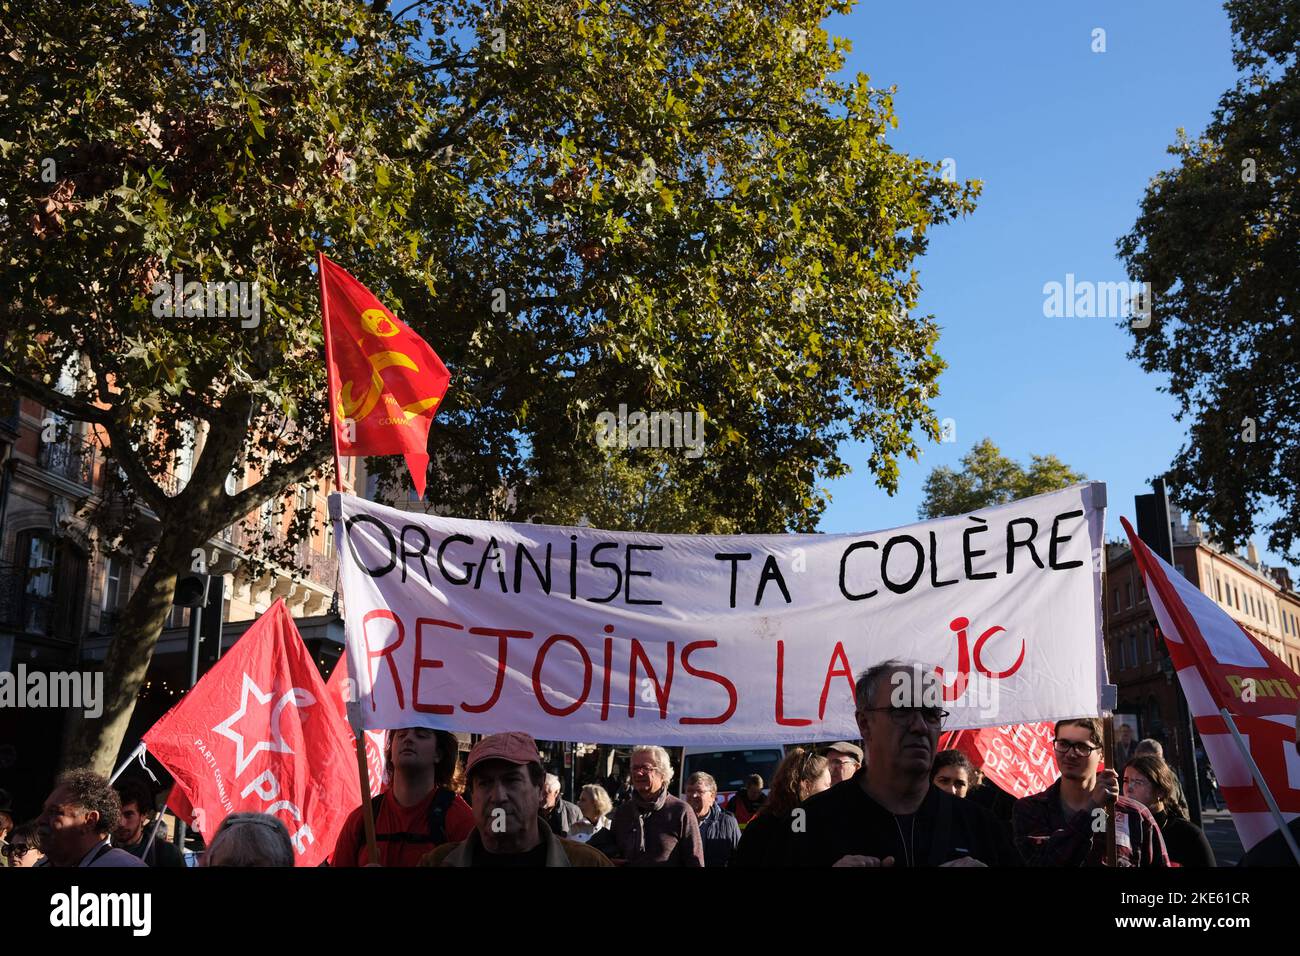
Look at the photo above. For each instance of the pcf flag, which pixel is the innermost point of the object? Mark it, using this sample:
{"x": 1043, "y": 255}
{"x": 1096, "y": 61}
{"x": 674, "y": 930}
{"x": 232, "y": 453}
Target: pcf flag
{"x": 1017, "y": 757}
{"x": 256, "y": 733}
{"x": 1221, "y": 666}
{"x": 386, "y": 383}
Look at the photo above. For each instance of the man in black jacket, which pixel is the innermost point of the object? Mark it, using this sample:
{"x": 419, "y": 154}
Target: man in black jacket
{"x": 889, "y": 814}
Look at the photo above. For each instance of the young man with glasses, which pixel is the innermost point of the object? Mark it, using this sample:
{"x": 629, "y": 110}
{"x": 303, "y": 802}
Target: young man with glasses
{"x": 1065, "y": 825}
{"x": 888, "y": 813}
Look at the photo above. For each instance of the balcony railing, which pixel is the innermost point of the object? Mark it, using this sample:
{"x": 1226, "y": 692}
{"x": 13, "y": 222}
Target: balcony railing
{"x": 73, "y": 459}
{"x": 317, "y": 567}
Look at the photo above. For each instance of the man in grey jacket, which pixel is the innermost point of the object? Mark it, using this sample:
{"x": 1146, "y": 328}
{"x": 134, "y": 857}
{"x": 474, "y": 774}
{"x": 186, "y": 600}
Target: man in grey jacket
{"x": 654, "y": 828}
{"x": 556, "y": 811}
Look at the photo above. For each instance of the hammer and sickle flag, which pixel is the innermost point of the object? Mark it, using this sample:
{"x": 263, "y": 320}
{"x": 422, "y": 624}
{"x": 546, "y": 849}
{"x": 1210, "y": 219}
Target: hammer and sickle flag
{"x": 386, "y": 383}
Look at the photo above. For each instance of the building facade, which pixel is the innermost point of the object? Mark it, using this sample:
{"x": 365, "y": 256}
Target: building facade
{"x": 1261, "y": 599}
{"x": 63, "y": 586}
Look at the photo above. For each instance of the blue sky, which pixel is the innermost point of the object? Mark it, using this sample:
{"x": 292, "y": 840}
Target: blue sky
{"x": 1065, "y": 141}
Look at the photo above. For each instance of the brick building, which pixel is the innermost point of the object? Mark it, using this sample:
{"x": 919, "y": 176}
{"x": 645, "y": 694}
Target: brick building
{"x": 1260, "y": 598}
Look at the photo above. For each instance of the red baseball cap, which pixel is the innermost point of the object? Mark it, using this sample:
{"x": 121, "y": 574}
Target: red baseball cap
{"x": 513, "y": 747}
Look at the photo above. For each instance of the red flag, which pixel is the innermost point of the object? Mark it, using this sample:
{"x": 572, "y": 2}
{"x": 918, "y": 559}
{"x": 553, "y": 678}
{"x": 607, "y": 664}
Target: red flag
{"x": 1016, "y": 757}
{"x": 341, "y": 688}
{"x": 1220, "y": 665}
{"x": 386, "y": 383}
{"x": 257, "y": 733}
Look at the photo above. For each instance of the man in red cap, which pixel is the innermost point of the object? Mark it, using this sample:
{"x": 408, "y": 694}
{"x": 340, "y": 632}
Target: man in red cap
{"x": 505, "y": 784}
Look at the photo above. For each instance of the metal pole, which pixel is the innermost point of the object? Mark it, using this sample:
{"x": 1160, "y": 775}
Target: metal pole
{"x": 1191, "y": 773}
{"x": 195, "y": 637}
{"x": 196, "y": 616}
{"x": 127, "y": 762}
{"x": 1262, "y": 784}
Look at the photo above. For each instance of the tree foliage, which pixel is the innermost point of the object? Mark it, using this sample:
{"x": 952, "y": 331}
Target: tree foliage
{"x": 578, "y": 204}
{"x": 988, "y": 477}
{"x": 1218, "y": 238}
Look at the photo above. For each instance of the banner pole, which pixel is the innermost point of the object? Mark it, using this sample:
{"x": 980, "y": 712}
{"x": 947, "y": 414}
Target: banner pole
{"x": 1262, "y": 784}
{"x": 367, "y": 809}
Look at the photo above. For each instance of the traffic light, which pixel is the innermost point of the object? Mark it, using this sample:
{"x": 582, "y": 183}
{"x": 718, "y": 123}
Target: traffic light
{"x": 192, "y": 590}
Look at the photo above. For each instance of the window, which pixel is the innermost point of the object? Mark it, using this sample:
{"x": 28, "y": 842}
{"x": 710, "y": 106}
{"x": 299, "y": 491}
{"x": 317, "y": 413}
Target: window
{"x": 1128, "y": 594}
{"x": 36, "y": 551}
{"x": 1181, "y": 570}
{"x": 1133, "y": 650}
{"x": 1142, "y": 590}
{"x": 1236, "y": 597}
{"x": 329, "y": 540}
{"x": 116, "y": 584}
{"x": 1146, "y": 647}
{"x": 1116, "y": 593}
{"x": 1218, "y": 588}
{"x": 304, "y": 497}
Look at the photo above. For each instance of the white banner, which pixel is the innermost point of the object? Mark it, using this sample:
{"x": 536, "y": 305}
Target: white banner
{"x": 613, "y": 637}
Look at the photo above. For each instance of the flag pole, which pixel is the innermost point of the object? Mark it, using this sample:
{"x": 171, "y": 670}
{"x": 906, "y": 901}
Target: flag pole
{"x": 331, "y": 386}
{"x": 359, "y": 734}
{"x": 1261, "y": 784}
{"x": 127, "y": 762}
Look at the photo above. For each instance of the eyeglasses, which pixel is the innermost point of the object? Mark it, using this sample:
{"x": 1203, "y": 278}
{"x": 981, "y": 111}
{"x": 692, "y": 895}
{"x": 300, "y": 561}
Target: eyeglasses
{"x": 15, "y": 849}
{"x": 905, "y": 715}
{"x": 1081, "y": 748}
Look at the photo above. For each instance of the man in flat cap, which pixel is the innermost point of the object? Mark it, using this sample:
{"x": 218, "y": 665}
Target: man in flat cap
{"x": 844, "y": 759}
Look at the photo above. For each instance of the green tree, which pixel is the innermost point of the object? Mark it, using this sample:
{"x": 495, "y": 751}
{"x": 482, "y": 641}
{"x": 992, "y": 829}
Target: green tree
{"x": 988, "y": 477}
{"x": 1218, "y": 238}
{"x": 667, "y": 205}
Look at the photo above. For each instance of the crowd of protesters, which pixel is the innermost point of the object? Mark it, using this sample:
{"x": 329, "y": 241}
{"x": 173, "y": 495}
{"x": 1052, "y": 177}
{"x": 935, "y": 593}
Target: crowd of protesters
{"x": 895, "y": 802}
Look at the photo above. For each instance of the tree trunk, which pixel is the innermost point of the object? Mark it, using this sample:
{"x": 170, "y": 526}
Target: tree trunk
{"x": 95, "y": 743}
{"x": 188, "y": 522}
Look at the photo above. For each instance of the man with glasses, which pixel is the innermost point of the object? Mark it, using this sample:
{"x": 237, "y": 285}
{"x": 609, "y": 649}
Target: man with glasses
{"x": 654, "y": 828}
{"x": 1065, "y": 825}
{"x": 889, "y": 814}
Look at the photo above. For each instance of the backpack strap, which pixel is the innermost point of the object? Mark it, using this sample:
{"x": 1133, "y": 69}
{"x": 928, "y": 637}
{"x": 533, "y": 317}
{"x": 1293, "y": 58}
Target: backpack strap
{"x": 442, "y": 802}
{"x": 437, "y": 823}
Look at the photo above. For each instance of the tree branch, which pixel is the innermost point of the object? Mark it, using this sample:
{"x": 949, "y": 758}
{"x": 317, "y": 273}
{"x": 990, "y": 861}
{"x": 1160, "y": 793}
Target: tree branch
{"x": 55, "y": 400}
{"x": 278, "y": 478}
